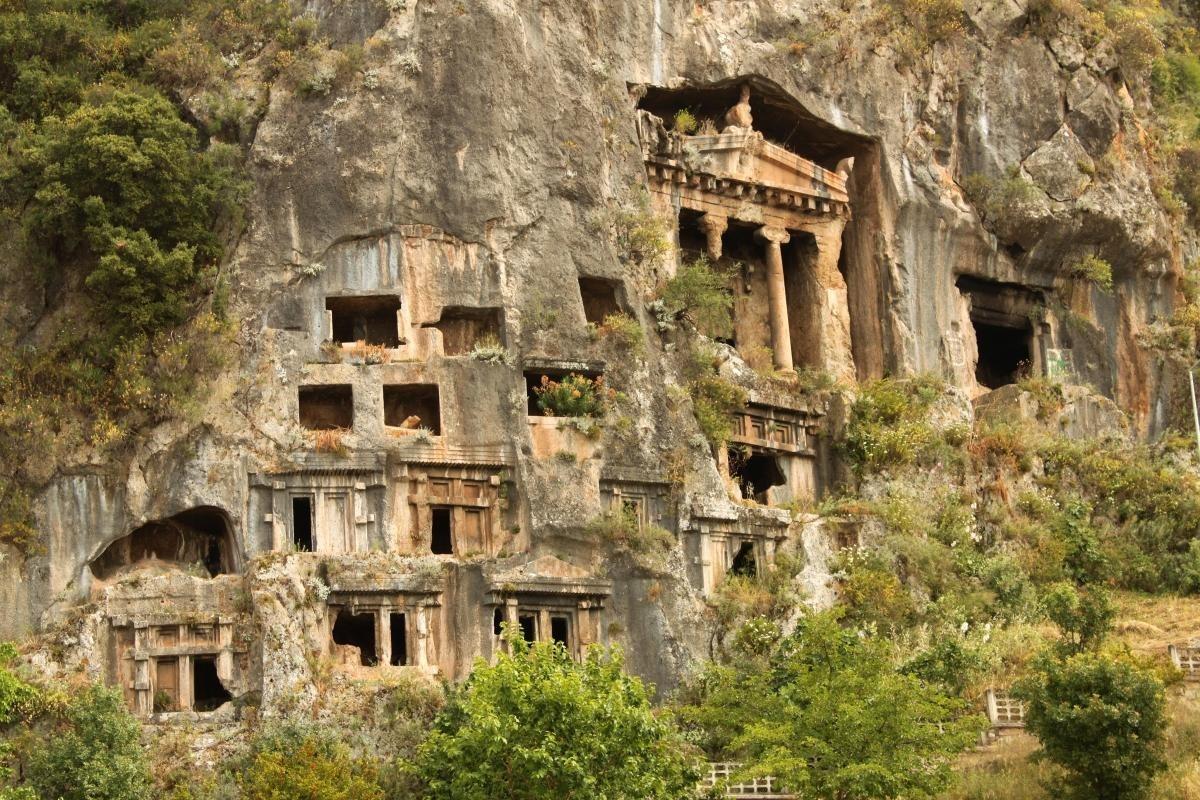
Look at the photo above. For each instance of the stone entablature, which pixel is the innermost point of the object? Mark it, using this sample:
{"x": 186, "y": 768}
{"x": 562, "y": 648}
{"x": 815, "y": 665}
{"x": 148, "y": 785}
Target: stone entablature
{"x": 775, "y": 429}
{"x": 739, "y": 174}
{"x": 550, "y": 600}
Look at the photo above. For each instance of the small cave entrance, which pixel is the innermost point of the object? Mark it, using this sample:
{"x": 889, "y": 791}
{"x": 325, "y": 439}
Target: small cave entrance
{"x": 1004, "y": 354}
{"x": 327, "y": 408}
{"x": 441, "y": 541}
{"x": 599, "y": 297}
{"x": 755, "y": 473}
{"x": 462, "y": 328}
{"x": 357, "y": 630}
{"x": 399, "y": 634}
{"x": 201, "y": 536}
{"x": 745, "y": 563}
{"x": 373, "y": 319}
{"x": 413, "y": 406}
{"x": 1002, "y": 316}
{"x": 208, "y": 693}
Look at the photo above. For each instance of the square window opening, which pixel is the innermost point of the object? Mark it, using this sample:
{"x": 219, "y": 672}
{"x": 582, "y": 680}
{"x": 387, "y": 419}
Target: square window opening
{"x": 372, "y": 319}
{"x": 533, "y": 382}
{"x": 462, "y": 328}
{"x": 441, "y": 541}
{"x": 413, "y": 406}
{"x": 327, "y": 408}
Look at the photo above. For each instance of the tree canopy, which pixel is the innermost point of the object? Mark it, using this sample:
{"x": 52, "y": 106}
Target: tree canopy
{"x": 537, "y": 725}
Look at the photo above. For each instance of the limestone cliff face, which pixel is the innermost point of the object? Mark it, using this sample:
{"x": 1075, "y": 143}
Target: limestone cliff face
{"x": 475, "y": 171}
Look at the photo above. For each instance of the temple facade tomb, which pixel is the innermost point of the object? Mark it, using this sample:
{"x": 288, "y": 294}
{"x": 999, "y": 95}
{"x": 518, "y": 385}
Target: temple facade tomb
{"x": 548, "y": 600}
{"x": 731, "y": 539}
{"x": 739, "y": 197}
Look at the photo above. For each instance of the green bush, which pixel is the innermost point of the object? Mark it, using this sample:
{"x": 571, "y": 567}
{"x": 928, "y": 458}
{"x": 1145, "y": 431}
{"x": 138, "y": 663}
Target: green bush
{"x": 573, "y": 396}
{"x": 827, "y": 713}
{"x": 95, "y": 754}
{"x": 624, "y": 330}
{"x": 536, "y": 725}
{"x": 1084, "y": 617}
{"x": 889, "y": 424}
{"x": 1095, "y": 270}
{"x": 1101, "y": 718}
{"x": 302, "y": 764}
{"x": 19, "y": 699}
{"x": 648, "y": 544}
{"x": 699, "y": 293}
{"x": 684, "y": 122}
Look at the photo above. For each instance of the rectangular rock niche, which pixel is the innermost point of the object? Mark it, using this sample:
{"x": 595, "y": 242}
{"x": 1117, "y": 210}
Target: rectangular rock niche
{"x": 412, "y": 406}
{"x": 533, "y": 381}
{"x": 599, "y": 297}
{"x": 373, "y": 319}
{"x": 462, "y": 328}
{"x": 329, "y": 407}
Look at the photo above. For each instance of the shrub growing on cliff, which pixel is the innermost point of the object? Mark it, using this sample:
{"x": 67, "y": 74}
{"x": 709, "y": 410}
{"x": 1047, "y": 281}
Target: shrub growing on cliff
{"x": 889, "y": 424}
{"x": 536, "y": 725}
{"x": 827, "y": 713}
{"x": 1101, "y": 718}
{"x": 95, "y": 754}
{"x": 303, "y": 764}
{"x": 1095, "y": 270}
{"x": 699, "y": 293}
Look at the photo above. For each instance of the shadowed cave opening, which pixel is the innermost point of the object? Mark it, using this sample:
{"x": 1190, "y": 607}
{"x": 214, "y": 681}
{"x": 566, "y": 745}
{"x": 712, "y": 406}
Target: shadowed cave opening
{"x": 744, "y": 562}
{"x": 463, "y": 327}
{"x": 413, "y": 406}
{"x": 599, "y": 297}
{"x": 357, "y": 630}
{"x": 755, "y": 473}
{"x": 199, "y": 536}
{"x": 208, "y": 693}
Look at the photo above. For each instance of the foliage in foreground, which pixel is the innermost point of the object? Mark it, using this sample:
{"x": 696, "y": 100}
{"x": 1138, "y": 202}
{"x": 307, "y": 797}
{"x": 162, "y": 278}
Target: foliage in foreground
{"x": 539, "y": 726}
{"x": 95, "y": 753}
{"x": 1102, "y": 718}
{"x": 300, "y": 764}
{"x": 828, "y": 714}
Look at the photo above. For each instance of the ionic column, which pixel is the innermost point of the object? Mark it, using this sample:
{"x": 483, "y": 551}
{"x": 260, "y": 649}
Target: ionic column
{"x": 781, "y": 334}
{"x": 713, "y": 225}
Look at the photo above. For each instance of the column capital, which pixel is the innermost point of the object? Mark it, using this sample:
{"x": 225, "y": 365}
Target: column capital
{"x": 717, "y": 223}
{"x": 770, "y": 233}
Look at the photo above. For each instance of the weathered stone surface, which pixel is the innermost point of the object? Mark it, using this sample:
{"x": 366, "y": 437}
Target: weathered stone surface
{"x": 1061, "y": 166}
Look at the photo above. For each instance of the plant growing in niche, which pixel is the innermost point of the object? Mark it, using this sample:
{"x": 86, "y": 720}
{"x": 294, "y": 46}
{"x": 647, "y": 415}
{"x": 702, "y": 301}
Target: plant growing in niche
{"x": 573, "y": 396}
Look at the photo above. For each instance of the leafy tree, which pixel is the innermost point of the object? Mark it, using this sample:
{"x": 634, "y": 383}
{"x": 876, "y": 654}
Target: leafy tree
{"x": 302, "y": 764}
{"x": 827, "y": 713}
{"x": 1102, "y": 719}
{"x": 1084, "y": 617}
{"x": 96, "y": 755}
{"x": 539, "y": 726}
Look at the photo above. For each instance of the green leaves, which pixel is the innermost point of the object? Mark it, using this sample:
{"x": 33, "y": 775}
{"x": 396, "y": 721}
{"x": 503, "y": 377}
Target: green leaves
{"x": 829, "y": 715}
{"x": 1100, "y": 717}
{"x": 539, "y": 726}
{"x": 96, "y": 755}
